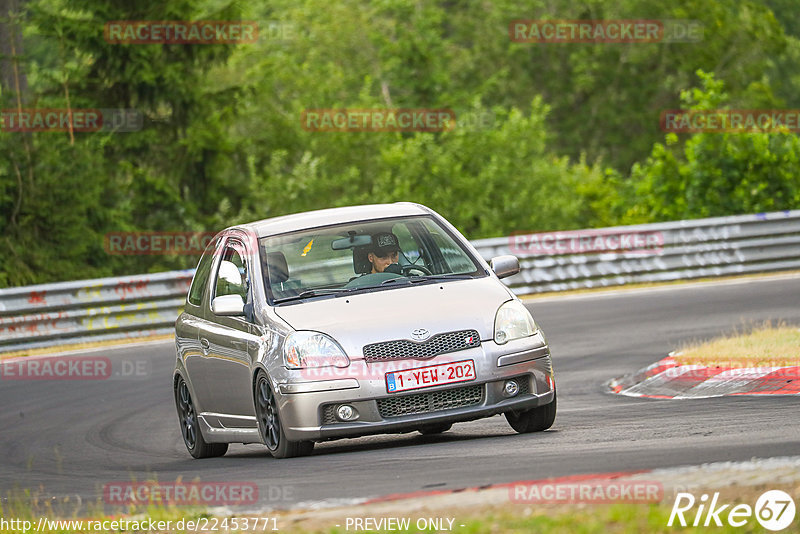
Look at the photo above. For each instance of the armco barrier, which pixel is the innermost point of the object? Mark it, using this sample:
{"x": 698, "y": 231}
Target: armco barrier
{"x": 697, "y": 248}
{"x": 104, "y": 308}
{"x": 135, "y": 306}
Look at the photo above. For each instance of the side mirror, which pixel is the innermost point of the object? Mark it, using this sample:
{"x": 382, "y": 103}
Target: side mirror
{"x": 228, "y": 305}
{"x": 229, "y": 273}
{"x": 505, "y": 266}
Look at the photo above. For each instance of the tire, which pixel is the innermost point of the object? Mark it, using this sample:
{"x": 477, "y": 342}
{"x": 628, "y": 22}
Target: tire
{"x": 431, "y": 430}
{"x": 270, "y": 427}
{"x": 533, "y": 420}
{"x": 190, "y": 428}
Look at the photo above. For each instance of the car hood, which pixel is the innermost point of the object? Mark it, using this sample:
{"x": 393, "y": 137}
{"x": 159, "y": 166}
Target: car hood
{"x": 360, "y": 319}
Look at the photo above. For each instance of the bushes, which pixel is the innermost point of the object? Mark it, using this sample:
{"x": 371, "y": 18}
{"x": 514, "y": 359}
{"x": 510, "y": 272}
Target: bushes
{"x": 222, "y": 141}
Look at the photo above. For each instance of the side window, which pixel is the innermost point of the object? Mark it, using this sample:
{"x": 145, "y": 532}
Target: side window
{"x": 201, "y": 275}
{"x": 232, "y": 274}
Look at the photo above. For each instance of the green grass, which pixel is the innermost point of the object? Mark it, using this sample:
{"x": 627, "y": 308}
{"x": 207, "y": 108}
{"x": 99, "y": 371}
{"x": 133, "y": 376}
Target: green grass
{"x": 754, "y": 346}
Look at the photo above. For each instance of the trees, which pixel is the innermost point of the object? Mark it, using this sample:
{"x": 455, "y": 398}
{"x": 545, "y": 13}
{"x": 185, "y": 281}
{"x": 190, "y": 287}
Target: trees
{"x": 222, "y": 140}
{"x": 715, "y": 174}
{"x": 60, "y": 192}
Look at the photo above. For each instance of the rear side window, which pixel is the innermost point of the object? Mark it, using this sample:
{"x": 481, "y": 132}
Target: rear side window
{"x": 201, "y": 275}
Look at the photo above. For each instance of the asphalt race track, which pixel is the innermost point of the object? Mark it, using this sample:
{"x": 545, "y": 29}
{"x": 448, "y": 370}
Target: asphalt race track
{"x": 68, "y": 438}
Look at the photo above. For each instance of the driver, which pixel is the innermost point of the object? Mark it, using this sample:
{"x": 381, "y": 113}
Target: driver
{"x": 384, "y": 251}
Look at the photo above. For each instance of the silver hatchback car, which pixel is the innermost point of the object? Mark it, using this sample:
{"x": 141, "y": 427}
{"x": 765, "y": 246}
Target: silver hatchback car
{"x": 352, "y": 321}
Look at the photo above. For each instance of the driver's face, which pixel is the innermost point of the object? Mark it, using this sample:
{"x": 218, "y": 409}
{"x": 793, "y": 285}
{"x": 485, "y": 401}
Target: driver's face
{"x": 380, "y": 263}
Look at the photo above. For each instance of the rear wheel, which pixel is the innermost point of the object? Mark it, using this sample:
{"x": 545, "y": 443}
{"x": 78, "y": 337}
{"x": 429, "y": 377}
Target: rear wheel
{"x": 192, "y": 437}
{"x": 430, "y": 430}
{"x": 533, "y": 420}
{"x": 269, "y": 424}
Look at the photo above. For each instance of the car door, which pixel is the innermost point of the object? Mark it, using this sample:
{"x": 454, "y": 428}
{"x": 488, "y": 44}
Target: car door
{"x": 225, "y": 341}
{"x": 186, "y": 327}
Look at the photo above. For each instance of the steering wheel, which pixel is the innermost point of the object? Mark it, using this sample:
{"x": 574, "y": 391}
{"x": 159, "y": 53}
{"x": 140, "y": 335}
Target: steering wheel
{"x": 412, "y": 267}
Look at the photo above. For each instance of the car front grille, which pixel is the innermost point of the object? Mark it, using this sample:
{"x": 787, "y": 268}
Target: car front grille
{"x": 430, "y": 402}
{"x": 439, "y": 344}
{"x": 328, "y": 415}
{"x": 524, "y": 384}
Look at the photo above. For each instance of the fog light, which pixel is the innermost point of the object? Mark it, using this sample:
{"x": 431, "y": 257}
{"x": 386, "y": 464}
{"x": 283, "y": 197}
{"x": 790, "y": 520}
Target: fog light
{"x": 511, "y": 388}
{"x": 345, "y": 412}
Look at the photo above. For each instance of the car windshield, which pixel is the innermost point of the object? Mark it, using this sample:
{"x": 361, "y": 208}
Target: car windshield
{"x": 361, "y": 256}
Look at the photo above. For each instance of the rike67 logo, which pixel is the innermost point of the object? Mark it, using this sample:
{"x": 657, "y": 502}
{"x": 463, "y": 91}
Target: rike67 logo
{"x": 774, "y": 510}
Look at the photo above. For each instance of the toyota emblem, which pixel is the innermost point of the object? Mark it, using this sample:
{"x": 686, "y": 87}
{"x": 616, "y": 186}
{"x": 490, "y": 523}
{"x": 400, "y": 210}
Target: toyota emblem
{"x": 420, "y": 334}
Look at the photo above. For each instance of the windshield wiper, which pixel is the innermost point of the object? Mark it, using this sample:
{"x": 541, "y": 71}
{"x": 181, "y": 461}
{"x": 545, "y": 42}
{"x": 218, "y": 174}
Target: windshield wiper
{"x": 399, "y": 279}
{"x": 423, "y": 278}
{"x": 316, "y": 293}
{"x": 414, "y": 279}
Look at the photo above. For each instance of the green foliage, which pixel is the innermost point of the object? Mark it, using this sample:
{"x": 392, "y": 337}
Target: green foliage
{"x": 470, "y": 175}
{"x": 60, "y": 194}
{"x": 463, "y": 173}
{"x": 222, "y": 141}
{"x": 715, "y": 174}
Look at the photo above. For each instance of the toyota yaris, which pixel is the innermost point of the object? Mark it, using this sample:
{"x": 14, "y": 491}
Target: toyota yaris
{"x": 352, "y": 321}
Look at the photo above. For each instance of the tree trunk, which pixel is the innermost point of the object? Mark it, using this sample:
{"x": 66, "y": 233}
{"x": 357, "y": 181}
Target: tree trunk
{"x": 12, "y": 77}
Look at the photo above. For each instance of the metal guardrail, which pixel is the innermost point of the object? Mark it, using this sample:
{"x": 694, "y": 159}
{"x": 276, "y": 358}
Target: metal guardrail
{"x": 689, "y": 249}
{"x": 136, "y": 306}
{"x": 103, "y": 308}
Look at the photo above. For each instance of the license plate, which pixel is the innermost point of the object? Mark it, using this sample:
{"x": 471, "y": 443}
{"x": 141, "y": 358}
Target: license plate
{"x": 432, "y": 375}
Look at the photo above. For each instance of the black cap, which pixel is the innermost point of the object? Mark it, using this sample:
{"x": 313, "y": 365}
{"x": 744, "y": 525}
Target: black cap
{"x": 385, "y": 242}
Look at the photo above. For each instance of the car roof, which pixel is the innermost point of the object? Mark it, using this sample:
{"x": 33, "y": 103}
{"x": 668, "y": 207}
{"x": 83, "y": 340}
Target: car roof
{"x": 326, "y": 217}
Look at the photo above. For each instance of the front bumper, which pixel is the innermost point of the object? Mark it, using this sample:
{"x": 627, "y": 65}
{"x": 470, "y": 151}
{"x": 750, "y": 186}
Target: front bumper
{"x": 308, "y": 399}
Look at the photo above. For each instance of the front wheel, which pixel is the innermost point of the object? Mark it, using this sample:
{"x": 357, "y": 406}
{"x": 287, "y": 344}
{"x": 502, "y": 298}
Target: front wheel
{"x": 269, "y": 424}
{"x": 535, "y": 419}
{"x": 192, "y": 437}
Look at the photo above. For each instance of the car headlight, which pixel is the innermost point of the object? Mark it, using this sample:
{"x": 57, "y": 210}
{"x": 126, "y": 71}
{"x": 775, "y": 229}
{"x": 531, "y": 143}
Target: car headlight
{"x": 513, "y": 321}
{"x": 305, "y": 349}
